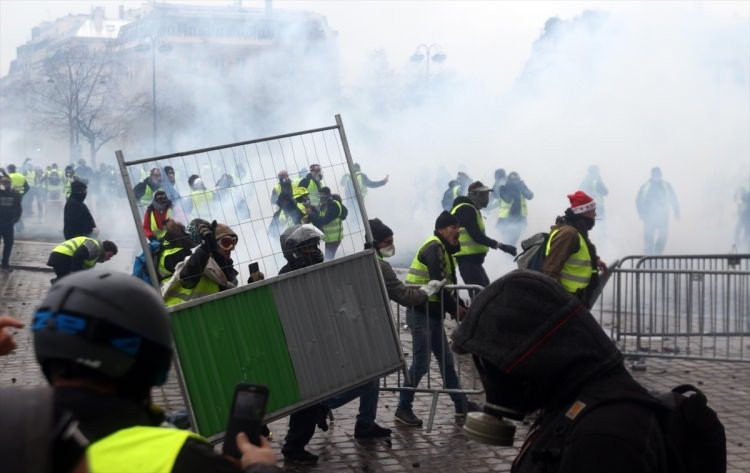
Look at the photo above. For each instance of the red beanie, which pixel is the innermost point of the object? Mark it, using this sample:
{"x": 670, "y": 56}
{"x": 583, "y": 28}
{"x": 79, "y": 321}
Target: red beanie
{"x": 581, "y": 202}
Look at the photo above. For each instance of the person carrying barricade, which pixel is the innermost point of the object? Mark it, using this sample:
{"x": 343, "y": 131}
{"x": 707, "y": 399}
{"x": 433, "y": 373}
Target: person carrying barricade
{"x": 144, "y": 190}
{"x": 208, "y": 270}
{"x": 313, "y": 182}
{"x": 328, "y": 217}
{"x": 301, "y": 248}
{"x": 287, "y": 215}
{"x": 157, "y": 213}
{"x": 284, "y": 185}
{"x": 201, "y": 199}
{"x": 363, "y": 181}
{"x": 434, "y": 261}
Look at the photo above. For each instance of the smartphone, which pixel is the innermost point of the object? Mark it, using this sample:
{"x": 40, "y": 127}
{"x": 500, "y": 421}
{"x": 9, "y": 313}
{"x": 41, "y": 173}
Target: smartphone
{"x": 246, "y": 415}
{"x": 253, "y": 267}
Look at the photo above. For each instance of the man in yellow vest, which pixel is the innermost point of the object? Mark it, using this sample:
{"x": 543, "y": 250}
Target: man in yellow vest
{"x": 329, "y": 219}
{"x": 313, "y": 182}
{"x": 79, "y": 253}
{"x": 103, "y": 341}
{"x": 513, "y": 210}
{"x": 433, "y": 264}
{"x": 474, "y": 241}
{"x": 10, "y": 213}
{"x": 570, "y": 257}
{"x": 144, "y": 190}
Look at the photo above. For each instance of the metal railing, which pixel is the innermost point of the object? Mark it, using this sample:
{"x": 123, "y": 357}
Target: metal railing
{"x": 679, "y": 306}
{"x": 432, "y": 383}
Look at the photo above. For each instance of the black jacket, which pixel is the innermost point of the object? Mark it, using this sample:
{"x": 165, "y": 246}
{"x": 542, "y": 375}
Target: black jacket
{"x": 77, "y": 220}
{"x": 467, "y": 217}
{"x": 10, "y": 206}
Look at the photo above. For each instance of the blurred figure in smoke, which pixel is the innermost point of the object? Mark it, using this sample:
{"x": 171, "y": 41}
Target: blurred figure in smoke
{"x": 70, "y": 176}
{"x": 500, "y": 179}
{"x": 229, "y": 196}
{"x": 654, "y": 201}
{"x": 144, "y": 190}
{"x": 84, "y": 171}
{"x": 593, "y": 185}
{"x": 450, "y": 194}
{"x": 170, "y": 187}
{"x": 511, "y": 218}
{"x": 742, "y": 229}
{"x": 464, "y": 181}
{"x": 284, "y": 185}
{"x": 55, "y": 190}
{"x": 10, "y": 213}
{"x": 201, "y": 199}
{"x": 19, "y": 184}
{"x": 363, "y": 181}
{"x": 313, "y": 182}
{"x": 329, "y": 219}
{"x": 77, "y": 219}
{"x": 285, "y": 217}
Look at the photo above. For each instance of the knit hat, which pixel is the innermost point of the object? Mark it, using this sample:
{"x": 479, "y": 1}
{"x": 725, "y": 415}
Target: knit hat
{"x": 380, "y": 231}
{"x": 222, "y": 231}
{"x": 477, "y": 186}
{"x": 580, "y": 202}
{"x": 445, "y": 219}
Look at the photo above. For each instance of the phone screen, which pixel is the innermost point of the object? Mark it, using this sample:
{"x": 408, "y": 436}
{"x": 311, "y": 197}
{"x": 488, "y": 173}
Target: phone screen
{"x": 246, "y": 415}
{"x": 253, "y": 267}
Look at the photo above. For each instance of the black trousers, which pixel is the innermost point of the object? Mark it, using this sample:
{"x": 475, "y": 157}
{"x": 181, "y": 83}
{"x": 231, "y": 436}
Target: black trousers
{"x": 472, "y": 270}
{"x": 6, "y": 235}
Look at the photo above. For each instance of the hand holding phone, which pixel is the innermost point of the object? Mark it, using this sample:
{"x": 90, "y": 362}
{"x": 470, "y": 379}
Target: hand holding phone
{"x": 246, "y": 415}
{"x": 255, "y": 274}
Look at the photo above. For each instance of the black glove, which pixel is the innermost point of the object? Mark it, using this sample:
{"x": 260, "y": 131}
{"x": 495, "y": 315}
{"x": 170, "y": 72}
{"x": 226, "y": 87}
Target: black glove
{"x": 510, "y": 249}
{"x": 207, "y": 233}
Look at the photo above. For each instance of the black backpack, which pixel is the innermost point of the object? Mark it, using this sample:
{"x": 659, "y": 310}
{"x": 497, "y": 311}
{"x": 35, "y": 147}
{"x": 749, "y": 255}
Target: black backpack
{"x": 344, "y": 210}
{"x": 532, "y": 256}
{"x": 693, "y": 434}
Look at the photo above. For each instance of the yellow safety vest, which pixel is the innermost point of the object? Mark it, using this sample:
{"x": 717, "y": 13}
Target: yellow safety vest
{"x": 55, "y": 186}
{"x": 159, "y": 232}
{"x": 504, "y": 211}
{"x": 140, "y": 448}
{"x": 312, "y": 191}
{"x": 205, "y": 287}
{"x": 168, "y": 251}
{"x": 69, "y": 247}
{"x": 577, "y": 270}
{"x": 468, "y": 245}
{"x": 202, "y": 202}
{"x": 419, "y": 273}
{"x": 333, "y": 231}
{"x": 17, "y": 181}
{"x": 31, "y": 178}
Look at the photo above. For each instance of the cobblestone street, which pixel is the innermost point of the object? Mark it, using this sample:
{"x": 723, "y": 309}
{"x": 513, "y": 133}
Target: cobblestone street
{"x": 444, "y": 448}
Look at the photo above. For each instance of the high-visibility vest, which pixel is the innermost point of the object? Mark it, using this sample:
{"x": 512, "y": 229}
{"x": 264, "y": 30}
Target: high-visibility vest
{"x": 333, "y": 231}
{"x": 312, "y": 190}
{"x": 148, "y": 195}
{"x": 166, "y": 251}
{"x": 468, "y": 245}
{"x": 69, "y": 247}
{"x": 201, "y": 202}
{"x": 505, "y": 206}
{"x": 140, "y": 448}
{"x": 17, "y": 181}
{"x": 31, "y": 177}
{"x": 159, "y": 232}
{"x": 419, "y": 273}
{"x": 58, "y": 186}
{"x": 577, "y": 270}
{"x": 205, "y": 287}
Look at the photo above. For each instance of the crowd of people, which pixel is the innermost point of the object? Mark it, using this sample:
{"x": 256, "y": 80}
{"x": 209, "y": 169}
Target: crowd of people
{"x": 102, "y": 338}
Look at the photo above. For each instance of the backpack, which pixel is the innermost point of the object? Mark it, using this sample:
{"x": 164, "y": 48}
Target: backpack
{"x": 140, "y": 269}
{"x": 532, "y": 256}
{"x": 344, "y": 210}
{"x": 694, "y": 437}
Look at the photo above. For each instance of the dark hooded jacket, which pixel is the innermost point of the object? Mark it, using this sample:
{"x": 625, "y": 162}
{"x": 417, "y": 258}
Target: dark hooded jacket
{"x": 540, "y": 349}
{"x": 77, "y": 219}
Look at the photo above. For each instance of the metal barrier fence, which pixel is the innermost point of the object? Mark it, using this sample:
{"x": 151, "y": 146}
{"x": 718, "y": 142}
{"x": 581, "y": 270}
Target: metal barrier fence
{"x": 679, "y": 306}
{"x": 432, "y": 383}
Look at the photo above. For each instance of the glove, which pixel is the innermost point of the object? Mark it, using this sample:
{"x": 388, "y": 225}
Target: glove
{"x": 510, "y": 249}
{"x": 432, "y": 287}
{"x": 207, "y": 233}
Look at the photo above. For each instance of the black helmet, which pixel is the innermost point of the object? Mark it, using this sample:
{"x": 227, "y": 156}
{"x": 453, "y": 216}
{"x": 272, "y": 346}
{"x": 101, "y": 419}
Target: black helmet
{"x": 300, "y": 245}
{"x": 105, "y": 325}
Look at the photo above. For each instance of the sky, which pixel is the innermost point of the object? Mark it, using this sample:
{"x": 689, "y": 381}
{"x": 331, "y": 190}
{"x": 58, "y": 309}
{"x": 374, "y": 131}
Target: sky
{"x": 649, "y": 84}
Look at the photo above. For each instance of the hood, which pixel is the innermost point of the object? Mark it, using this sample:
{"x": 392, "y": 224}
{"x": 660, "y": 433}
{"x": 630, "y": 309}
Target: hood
{"x": 535, "y": 332}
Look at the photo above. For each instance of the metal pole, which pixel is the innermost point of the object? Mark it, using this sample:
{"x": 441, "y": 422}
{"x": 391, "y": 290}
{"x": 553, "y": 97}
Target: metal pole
{"x": 153, "y": 94}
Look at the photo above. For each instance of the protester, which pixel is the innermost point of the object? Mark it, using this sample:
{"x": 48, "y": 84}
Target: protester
{"x": 328, "y": 217}
{"x": 157, "y": 213}
{"x": 10, "y": 214}
{"x": 655, "y": 201}
{"x": 77, "y": 219}
{"x": 79, "y": 253}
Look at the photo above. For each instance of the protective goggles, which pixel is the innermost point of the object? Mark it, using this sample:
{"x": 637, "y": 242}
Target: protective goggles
{"x": 227, "y": 242}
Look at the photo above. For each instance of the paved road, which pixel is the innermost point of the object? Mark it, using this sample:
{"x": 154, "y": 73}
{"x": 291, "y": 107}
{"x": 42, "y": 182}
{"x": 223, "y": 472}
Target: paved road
{"x": 441, "y": 450}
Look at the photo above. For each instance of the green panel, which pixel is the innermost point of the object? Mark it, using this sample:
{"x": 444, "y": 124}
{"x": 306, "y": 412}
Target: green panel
{"x": 228, "y": 340}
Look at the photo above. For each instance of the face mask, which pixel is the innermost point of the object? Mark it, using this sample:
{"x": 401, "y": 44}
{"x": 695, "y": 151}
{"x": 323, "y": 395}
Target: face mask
{"x": 387, "y": 251}
{"x": 588, "y": 223}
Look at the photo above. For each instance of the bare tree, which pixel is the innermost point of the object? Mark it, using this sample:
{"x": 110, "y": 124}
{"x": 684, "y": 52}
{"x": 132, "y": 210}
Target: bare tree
{"x": 81, "y": 96}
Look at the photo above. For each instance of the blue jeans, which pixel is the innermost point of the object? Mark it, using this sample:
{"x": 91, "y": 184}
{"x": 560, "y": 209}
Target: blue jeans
{"x": 428, "y": 336}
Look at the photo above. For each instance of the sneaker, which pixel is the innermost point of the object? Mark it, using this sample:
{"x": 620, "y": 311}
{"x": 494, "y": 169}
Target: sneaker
{"x": 372, "y": 431}
{"x": 406, "y": 416}
{"x": 470, "y": 406}
{"x": 302, "y": 457}
{"x": 6, "y": 269}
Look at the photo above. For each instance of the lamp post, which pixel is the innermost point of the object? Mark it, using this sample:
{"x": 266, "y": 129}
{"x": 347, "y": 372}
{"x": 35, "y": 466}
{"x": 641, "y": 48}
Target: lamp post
{"x": 163, "y": 47}
{"x": 433, "y": 52}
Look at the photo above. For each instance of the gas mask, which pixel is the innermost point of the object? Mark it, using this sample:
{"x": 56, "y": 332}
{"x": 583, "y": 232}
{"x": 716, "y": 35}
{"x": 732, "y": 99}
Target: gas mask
{"x": 387, "y": 251}
{"x": 507, "y": 396}
{"x": 306, "y": 255}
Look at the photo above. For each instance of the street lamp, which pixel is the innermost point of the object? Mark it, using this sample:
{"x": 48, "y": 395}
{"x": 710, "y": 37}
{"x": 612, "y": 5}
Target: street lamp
{"x": 433, "y": 52}
{"x": 163, "y": 47}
